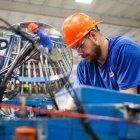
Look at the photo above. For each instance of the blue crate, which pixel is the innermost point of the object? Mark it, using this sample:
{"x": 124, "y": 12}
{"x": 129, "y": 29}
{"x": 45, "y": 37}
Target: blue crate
{"x": 90, "y": 96}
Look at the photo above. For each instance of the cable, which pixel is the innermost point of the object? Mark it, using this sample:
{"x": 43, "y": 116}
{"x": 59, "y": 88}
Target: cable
{"x": 80, "y": 109}
{"x": 50, "y": 91}
{"x": 87, "y": 127}
{"x": 71, "y": 114}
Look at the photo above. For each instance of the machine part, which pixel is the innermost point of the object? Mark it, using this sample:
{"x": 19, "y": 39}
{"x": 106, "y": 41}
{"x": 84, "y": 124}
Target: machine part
{"x": 25, "y": 133}
{"x": 23, "y": 55}
{"x": 30, "y": 80}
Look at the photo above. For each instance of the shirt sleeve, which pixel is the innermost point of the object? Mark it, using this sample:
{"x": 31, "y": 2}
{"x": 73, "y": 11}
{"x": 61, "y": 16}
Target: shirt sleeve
{"x": 80, "y": 77}
{"x": 128, "y": 66}
{"x": 44, "y": 39}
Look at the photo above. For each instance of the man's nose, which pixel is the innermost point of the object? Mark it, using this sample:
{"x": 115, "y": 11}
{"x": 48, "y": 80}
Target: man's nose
{"x": 80, "y": 52}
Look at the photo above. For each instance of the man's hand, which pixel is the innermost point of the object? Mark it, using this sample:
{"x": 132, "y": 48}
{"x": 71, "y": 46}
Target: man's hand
{"x": 70, "y": 104}
{"x": 130, "y": 90}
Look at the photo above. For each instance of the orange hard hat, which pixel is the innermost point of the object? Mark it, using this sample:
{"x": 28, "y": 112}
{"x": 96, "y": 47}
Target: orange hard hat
{"x": 76, "y": 27}
{"x": 32, "y": 26}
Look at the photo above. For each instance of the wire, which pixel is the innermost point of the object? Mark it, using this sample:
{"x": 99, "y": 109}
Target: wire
{"x": 71, "y": 114}
{"x": 88, "y": 129}
{"x": 17, "y": 30}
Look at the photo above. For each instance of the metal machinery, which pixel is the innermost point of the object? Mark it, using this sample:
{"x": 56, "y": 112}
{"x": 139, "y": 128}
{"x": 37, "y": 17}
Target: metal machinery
{"x": 35, "y": 71}
{"x": 111, "y": 115}
{"x": 28, "y": 72}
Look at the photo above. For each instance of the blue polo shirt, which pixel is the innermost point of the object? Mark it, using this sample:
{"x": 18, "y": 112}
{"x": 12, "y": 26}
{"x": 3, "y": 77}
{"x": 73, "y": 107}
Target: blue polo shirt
{"x": 120, "y": 71}
{"x": 44, "y": 39}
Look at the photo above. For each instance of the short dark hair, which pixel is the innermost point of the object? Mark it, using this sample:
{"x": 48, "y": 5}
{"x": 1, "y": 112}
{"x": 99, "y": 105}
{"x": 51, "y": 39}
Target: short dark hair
{"x": 96, "y": 29}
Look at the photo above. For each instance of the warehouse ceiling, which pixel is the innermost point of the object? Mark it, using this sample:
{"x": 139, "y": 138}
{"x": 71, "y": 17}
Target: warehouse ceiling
{"x": 118, "y": 16}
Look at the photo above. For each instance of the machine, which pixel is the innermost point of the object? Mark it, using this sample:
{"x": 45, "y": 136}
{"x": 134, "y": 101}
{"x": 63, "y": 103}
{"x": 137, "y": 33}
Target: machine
{"x": 30, "y": 79}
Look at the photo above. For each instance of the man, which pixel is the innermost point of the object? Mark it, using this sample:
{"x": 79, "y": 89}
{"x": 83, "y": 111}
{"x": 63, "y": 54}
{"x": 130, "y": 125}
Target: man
{"x": 107, "y": 63}
{"x": 40, "y": 31}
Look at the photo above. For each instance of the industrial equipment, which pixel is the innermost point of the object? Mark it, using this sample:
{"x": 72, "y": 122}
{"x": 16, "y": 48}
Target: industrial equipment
{"x": 29, "y": 81}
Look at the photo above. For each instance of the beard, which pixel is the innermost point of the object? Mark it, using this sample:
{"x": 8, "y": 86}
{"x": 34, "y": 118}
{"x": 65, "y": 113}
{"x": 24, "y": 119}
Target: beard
{"x": 95, "y": 54}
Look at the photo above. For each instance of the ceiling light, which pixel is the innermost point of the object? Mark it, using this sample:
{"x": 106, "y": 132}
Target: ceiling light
{"x": 84, "y": 1}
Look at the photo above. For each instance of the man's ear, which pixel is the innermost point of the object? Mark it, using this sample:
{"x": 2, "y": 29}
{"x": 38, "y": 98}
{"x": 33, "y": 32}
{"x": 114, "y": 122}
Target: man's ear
{"x": 93, "y": 35}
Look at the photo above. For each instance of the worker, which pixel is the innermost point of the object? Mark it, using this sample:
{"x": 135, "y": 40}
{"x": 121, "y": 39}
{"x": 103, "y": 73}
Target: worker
{"x": 40, "y": 31}
{"x": 106, "y": 63}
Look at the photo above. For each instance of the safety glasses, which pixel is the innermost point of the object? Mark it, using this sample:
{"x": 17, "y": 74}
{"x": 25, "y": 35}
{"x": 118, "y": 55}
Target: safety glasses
{"x": 81, "y": 44}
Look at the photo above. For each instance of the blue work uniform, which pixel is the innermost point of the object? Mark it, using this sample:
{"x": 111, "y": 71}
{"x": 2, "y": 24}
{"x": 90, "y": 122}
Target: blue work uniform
{"x": 44, "y": 39}
{"x": 120, "y": 71}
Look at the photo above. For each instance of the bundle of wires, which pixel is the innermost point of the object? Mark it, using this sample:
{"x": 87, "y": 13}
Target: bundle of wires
{"x": 27, "y": 49}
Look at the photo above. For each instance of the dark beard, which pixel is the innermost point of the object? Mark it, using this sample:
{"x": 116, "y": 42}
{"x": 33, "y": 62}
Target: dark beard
{"x": 97, "y": 54}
